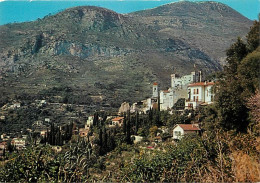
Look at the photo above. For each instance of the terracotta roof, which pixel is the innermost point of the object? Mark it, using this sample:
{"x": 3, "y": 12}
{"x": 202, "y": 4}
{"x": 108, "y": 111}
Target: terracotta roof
{"x": 117, "y": 118}
{"x": 3, "y": 143}
{"x": 189, "y": 127}
{"x": 155, "y": 84}
{"x": 165, "y": 91}
{"x": 201, "y": 84}
{"x": 83, "y": 130}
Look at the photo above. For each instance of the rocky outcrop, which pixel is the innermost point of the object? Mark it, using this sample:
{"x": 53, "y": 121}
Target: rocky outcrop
{"x": 124, "y": 108}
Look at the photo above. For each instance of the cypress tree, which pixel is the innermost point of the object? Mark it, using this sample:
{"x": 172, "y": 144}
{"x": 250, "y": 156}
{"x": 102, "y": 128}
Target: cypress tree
{"x": 100, "y": 138}
{"x": 128, "y": 128}
{"x": 124, "y": 124}
{"x": 105, "y": 149}
{"x": 136, "y": 122}
{"x": 111, "y": 142}
{"x": 95, "y": 120}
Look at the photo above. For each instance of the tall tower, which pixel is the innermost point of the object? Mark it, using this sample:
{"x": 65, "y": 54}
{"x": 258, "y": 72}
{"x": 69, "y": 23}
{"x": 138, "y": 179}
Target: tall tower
{"x": 173, "y": 80}
{"x": 155, "y": 90}
{"x": 201, "y": 76}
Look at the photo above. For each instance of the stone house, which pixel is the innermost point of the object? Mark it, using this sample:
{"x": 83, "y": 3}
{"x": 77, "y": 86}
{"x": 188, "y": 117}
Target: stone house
{"x": 118, "y": 121}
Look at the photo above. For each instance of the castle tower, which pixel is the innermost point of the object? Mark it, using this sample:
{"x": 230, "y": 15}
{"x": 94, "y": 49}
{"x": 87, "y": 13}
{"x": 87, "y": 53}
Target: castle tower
{"x": 173, "y": 76}
{"x": 201, "y": 76}
{"x": 193, "y": 75}
{"x": 155, "y": 90}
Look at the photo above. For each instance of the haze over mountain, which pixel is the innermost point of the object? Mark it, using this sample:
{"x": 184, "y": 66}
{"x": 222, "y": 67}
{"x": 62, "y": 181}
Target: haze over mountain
{"x": 95, "y": 54}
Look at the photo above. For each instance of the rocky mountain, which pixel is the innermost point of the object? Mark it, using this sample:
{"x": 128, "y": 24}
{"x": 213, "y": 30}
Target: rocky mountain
{"x": 93, "y": 55}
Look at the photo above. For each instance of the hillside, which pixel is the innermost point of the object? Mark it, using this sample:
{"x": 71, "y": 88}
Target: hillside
{"x": 98, "y": 57}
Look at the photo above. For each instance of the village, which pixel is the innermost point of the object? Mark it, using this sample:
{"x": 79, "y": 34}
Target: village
{"x": 192, "y": 89}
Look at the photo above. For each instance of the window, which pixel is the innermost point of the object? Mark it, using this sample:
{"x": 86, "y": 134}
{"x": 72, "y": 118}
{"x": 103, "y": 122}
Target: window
{"x": 197, "y": 91}
{"x": 177, "y": 133}
{"x": 194, "y": 91}
{"x": 193, "y": 98}
{"x": 197, "y": 98}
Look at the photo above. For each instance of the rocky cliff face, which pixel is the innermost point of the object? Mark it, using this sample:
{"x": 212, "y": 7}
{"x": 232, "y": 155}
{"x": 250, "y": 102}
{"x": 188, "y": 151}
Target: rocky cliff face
{"x": 96, "y": 51}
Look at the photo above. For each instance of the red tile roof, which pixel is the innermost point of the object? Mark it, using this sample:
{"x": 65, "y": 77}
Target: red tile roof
{"x": 189, "y": 127}
{"x": 166, "y": 91}
{"x": 117, "y": 118}
{"x": 201, "y": 84}
{"x": 155, "y": 84}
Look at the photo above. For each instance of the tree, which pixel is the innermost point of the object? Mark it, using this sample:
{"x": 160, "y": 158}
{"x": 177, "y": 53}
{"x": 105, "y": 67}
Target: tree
{"x": 95, "y": 119}
{"x": 235, "y": 54}
{"x": 248, "y": 73}
{"x": 253, "y": 104}
{"x": 153, "y": 131}
{"x": 124, "y": 124}
{"x": 128, "y": 128}
{"x": 240, "y": 81}
{"x": 136, "y": 122}
{"x": 253, "y": 37}
{"x": 111, "y": 142}
{"x": 100, "y": 138}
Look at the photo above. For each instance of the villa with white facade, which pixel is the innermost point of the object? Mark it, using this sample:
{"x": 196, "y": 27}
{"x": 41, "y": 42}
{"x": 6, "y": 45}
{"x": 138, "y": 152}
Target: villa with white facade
{"x": 199, "y": 94}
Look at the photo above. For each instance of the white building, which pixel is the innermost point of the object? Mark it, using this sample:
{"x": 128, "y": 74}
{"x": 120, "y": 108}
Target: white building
{"x": 152, "y": 103}
{"x": 178, "y": 89}
{"x": 180, "y": 82}
{"x": 118, "y": 121}
{"x": 166, "y": 99}
{"x": 199, "y": 94}
{"x": 89, "y": 122}
{"x": 155, "y": 90}
{"x": 181, "y": 129}
{"x": 19, "y": 143}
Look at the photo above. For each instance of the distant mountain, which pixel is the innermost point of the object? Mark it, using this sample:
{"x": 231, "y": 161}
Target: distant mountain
{"x": 207, "y": 26}
{"x": 97, "y": 56}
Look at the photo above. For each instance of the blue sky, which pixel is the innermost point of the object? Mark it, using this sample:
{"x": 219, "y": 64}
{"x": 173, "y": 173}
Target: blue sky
{"x": 24, "y": 10}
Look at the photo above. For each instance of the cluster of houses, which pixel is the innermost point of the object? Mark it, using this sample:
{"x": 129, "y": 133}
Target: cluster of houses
{"x": 18, "y": 142}
{"x": 178, "y": 131}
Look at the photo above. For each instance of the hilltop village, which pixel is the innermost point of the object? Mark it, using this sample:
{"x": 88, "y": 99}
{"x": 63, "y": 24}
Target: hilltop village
{"x": 192, "y": 89}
